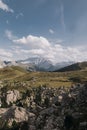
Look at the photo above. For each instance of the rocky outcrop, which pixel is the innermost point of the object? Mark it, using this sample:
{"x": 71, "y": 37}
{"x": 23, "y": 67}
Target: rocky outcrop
{"x": 17, "y": 114}
{"x": 47, "y": 109}
{"x": 12, "y": 96}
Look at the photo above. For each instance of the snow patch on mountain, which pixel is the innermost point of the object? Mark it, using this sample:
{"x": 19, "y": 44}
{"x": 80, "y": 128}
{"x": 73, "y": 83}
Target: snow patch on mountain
{"x": 36, "y": 64}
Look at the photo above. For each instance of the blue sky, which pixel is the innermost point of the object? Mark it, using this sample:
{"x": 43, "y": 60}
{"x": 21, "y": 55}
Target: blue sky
{"x": 55, "y": 29}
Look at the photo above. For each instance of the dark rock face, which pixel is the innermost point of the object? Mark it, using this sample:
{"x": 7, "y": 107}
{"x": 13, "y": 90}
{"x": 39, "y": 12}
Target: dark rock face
{"x": 47, "y": 109}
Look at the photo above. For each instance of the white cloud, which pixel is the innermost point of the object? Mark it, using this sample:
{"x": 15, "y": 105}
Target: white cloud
{"x": 34, "y": 42}
{"x": 5, "y": 54}
{"x": 34, "y": 51}
{"x": 5, "y": 7}
{"x": 56, "y": 53}
{"x": 51, "y": 31}
{"x": 41, "y": 46}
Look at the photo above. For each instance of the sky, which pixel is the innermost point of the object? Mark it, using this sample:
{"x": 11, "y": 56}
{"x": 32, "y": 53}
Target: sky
{"x": 54, "y": 29}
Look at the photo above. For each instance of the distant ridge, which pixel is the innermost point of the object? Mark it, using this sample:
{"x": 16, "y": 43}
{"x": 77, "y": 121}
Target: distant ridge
{"x": 74, "y": 67}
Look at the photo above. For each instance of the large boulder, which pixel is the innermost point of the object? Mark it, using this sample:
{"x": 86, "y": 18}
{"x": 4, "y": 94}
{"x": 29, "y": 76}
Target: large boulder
{"x": 17, "y": 114}
{"x": 49, "y": 119}
{"x": 12, "y": 96}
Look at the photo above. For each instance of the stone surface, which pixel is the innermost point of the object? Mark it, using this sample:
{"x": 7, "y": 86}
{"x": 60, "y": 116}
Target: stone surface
{"x": 12, "y": 96}
{"x": 50, "y": 112}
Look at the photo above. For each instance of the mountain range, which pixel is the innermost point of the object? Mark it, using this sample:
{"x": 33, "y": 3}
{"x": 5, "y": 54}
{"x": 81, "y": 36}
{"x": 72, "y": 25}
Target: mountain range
{"x": 35, "y": 64}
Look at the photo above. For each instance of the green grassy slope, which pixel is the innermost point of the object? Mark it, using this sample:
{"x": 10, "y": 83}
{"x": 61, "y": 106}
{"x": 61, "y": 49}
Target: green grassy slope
{"x": 51, "y": 79}
{"x": 8, "y": 73}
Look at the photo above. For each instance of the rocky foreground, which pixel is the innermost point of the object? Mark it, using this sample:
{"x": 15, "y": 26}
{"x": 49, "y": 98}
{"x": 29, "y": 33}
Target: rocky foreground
{"x": 44, "y": 108}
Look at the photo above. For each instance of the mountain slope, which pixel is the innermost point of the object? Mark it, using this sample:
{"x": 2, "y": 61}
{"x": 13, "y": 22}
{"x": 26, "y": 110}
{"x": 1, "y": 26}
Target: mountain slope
{"x": 39, "y": 63}
{"x": 43, "y": 64}
{"x": 74, "y": 67}
{"x": 11, "y": 72}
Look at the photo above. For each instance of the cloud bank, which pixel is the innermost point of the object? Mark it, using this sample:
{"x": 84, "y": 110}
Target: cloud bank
{"x": 6, "y": 54}
{"x": 30, "y": 45}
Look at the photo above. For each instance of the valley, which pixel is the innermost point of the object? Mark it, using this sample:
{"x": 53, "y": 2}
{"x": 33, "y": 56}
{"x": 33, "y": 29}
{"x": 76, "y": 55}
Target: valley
{"x": 36, "y": 78}
{"x": 42, "y": 100}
